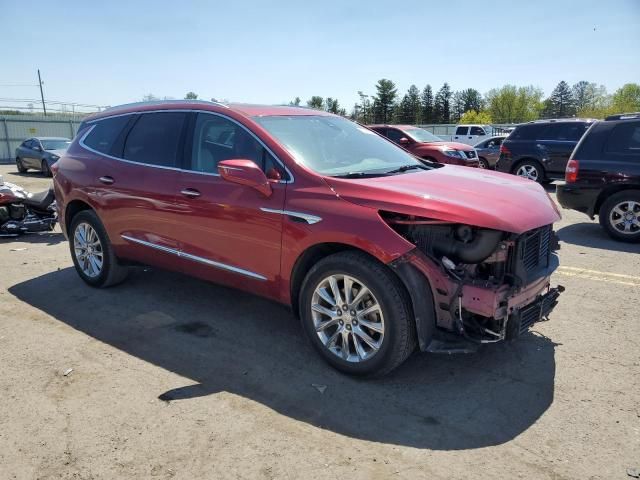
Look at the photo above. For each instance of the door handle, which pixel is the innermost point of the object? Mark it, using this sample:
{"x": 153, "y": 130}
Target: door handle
{"x": 190, "y": 192}
{"x": 106, "y": 180}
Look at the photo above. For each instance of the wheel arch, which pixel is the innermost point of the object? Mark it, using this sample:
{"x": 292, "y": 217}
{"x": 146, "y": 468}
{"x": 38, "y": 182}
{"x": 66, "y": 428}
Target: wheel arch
{"x": 609, "y": 191}
{"x": 72, "y": 209}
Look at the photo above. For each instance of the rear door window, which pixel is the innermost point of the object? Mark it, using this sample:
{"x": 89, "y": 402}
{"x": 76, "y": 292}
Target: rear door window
{"x": 526, "y": 132}
{"x": 565, "y": 132}
{"x": 155, "y": 139}
{"x": 105, "y": 132}
{"x": 395, "y": 135}
{"x": 461, "y": 130}
{"x": 625, "y": 139}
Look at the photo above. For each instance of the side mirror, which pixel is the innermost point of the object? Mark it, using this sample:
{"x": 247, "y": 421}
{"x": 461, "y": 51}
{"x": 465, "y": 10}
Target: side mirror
{"x": 404, "y": 141}
{"x": 245, "y": 172}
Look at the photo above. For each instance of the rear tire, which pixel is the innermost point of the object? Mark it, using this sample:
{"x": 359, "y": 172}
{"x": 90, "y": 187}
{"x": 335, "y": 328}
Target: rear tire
{"x": 378, "y": 323}
{"x": 620, "y": 212}
{"x": 46, "y": 171}
{"x": 20, "y": 165}
{"x": 530, "y": 169}
{"x": 92, "y": 252}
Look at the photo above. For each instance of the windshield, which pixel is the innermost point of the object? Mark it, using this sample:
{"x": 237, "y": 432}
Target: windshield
{"x": 421, "y": 135}
{"x": 335, "y": 146}
{"x": 56, "y": 144}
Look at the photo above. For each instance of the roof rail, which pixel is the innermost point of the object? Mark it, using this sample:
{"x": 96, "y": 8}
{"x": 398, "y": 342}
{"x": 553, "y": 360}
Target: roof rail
{"x": 161, "y": 102}
{"x": 568, "y": 119}
{"x": 623, "y": 116}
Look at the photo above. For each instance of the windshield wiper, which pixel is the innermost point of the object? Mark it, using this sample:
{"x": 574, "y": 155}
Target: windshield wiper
{"x": 360, "y": 175}
{"x": 404, "y": 168}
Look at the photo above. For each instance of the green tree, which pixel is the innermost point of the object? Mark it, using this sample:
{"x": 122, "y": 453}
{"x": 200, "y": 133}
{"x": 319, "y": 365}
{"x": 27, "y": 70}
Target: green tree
{"x": 332, "y": 105}
{"x": 473, "y": 116}
{"x": 472, "y": 100}
{"x": 511, "y": 104}
{"x": 384, "y": 100}
{"x": 457, "y": 106}
{"x": 426, "y": 101}
{"x": 442, "y": 104}
{"x": 316, "y": 102}
{"x": 627, "y": 98}
{"x": 413, "y": 105}
{"x": 191, "y": 96}
{"x": 560, "y": 103}
{"x": 149, "y": 97}
{"x": 295, "y": 102}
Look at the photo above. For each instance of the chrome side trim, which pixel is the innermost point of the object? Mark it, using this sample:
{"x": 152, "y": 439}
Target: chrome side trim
{"x": 195, "y": 258}
{"x": 94, "y": 122}
{"x": 310, "y": 219}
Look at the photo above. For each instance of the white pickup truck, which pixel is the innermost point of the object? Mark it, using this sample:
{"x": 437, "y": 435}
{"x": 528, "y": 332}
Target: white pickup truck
{"x": 473, "y": 134}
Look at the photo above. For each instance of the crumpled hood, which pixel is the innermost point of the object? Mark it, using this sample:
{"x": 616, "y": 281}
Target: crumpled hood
{"x": 456, "y": 194}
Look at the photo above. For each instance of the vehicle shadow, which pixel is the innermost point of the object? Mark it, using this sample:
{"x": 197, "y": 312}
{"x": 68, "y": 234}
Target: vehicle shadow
{"x": 225, "y": 340}
{"x": 591, "y": 234}
{"x": 49, "y": 238}
{"x": 30, "y": 174}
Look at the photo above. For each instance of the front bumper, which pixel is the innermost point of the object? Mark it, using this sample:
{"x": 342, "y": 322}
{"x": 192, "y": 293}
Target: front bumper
{"x": 438, "y": 296}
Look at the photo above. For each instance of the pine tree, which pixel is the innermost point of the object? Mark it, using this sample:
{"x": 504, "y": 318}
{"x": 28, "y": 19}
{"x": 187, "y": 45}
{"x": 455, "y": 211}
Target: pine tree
{"x": 426, "y": 102}
{"x": 414, "y": 116}
{"x": 384, "y": 100}
{"x": 560, "y": 103}
{"x": 457, "y": 106}
{"x": 442, "y": 104}
{"x": 316, "y": 102}
{"x": 472, "y": 100}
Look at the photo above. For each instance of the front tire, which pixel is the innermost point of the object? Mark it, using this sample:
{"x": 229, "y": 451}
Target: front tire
{"x": 357, "y": 314}
{"x": 620, "y": 216}
{"x": 46, "y": 171}
{"x": 92, "y": 252}
{"x": 483, "y": 163}
{"x": 530, "y": 169}
{"x": 20, "y": 165}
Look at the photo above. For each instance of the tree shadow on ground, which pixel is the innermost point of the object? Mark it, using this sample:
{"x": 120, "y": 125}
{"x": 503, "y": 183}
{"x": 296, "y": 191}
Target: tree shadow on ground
{"x": 225, "y": 340}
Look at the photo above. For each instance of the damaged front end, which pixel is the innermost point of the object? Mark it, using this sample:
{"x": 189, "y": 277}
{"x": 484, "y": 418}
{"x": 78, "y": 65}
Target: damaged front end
{"x": 482, "y": 285}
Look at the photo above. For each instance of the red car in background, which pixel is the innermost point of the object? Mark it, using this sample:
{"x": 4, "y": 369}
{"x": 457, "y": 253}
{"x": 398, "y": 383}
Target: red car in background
{"x": 375, "y": 251}
{"x": 426, "y": 145}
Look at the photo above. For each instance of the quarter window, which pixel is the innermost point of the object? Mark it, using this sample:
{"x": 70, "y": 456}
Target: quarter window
{"x": 625, "y": 138}
{"x": 105, "y": 133}
{"x": 216, "y": 139}
{"x": 154, "y": 139}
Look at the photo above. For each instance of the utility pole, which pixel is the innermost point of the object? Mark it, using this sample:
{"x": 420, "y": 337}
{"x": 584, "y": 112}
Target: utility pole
{"x": 44, "y": 108}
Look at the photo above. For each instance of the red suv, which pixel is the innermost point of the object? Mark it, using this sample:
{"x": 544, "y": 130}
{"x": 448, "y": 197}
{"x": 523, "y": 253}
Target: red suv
{"x": 375, "y": 251}
{"x": 426, "y": 145}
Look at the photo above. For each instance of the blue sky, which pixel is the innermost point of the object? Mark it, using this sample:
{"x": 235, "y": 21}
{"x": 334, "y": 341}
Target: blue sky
{"x": 271, "y": 51}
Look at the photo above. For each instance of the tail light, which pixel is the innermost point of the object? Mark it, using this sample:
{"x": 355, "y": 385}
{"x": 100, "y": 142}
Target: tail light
{"x": 504, "y": 150}
{"x": 571, "y": 173}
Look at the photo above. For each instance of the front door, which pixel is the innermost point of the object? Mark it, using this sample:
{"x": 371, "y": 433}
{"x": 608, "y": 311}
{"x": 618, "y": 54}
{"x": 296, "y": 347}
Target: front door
{"x": 229, "y": 233}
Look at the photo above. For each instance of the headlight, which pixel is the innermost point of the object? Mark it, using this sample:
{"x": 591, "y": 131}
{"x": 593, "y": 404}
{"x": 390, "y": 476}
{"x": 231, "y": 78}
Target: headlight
{"x": 54, "y": 157}
{"x": 453, "y": 153}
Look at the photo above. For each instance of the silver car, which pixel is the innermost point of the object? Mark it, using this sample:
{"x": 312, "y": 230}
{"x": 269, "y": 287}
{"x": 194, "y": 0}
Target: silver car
{"x": 489, "y": 151}
{"x": 40, "y": 153}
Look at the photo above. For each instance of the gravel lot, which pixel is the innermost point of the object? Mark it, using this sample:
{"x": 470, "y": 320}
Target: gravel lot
{"x": 176, "y": 378}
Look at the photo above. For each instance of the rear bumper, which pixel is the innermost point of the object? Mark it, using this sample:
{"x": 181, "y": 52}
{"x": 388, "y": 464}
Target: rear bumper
{"x": 577, "y": 197}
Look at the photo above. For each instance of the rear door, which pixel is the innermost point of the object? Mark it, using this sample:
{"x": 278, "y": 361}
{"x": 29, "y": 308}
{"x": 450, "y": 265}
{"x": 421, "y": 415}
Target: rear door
{"x": 557, "y": 141}
{"x": 136, "y": 182}
{"x": 229, "y": 233}
{"x": 461, "y": 134}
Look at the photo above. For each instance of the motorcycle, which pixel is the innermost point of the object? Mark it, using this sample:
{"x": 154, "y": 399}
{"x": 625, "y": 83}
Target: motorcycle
{"x": 24, "y": 212}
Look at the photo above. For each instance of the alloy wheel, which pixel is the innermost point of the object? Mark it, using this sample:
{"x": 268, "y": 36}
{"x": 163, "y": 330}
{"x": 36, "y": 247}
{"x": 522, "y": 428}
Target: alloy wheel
{"x": 88, "y": 250}
{"x": 528, "y": 171}
{"x": 347, "y": 318}
{"x": 625, "y": 217}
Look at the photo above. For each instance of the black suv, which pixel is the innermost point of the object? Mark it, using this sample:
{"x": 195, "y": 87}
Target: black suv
{"x": 603, "y": 176}
{"x": 540, "y": 150}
